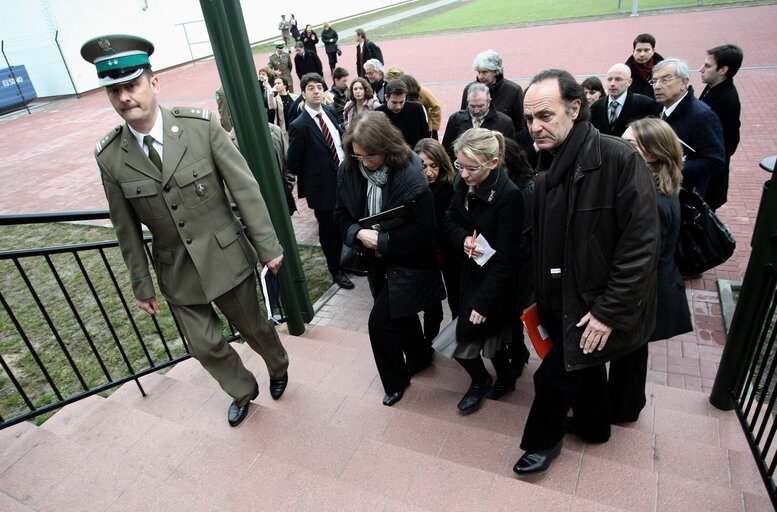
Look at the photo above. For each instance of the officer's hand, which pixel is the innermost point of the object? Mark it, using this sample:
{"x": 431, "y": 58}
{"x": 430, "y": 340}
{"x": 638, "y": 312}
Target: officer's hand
{"x": 594, "y": 335}
{"x": 275, "y": 264}
{"x": 150, "y": 305}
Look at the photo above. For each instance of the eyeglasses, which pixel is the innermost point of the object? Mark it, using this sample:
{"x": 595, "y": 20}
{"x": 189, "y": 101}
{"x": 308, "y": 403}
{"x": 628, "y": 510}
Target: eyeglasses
{"x": 663, "y": 80}
{"x": 365, "y": 157}
{"x": 471, "y": 170}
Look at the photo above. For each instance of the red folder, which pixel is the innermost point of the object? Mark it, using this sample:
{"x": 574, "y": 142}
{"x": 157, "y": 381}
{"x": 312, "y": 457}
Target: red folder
{"x": 537, "y": 333}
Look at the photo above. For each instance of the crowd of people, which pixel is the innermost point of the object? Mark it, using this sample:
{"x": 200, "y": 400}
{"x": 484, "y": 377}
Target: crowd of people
{"x": 562, "y": 196}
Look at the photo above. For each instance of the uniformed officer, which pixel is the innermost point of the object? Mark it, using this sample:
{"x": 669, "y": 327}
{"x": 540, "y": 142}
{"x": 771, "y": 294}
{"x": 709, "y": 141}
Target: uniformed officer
{"x": 169, "y": 169}
{"x": 280, "y": 61}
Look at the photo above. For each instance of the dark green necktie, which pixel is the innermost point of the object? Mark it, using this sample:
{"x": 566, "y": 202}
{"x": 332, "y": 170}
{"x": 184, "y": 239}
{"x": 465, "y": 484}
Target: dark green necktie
{"x": 148, "y": 140}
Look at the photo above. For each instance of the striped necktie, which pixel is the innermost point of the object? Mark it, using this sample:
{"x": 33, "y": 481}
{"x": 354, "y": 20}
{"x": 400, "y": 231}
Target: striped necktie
{"x": 613, "y": 112}
{"x": 329, "y": 140}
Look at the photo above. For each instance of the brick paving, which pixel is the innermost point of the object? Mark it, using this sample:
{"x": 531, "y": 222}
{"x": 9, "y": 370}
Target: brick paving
{"x": 47, "y": 163}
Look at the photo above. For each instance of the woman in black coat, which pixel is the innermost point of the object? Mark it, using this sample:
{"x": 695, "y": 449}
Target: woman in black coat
{"x": 487, "y": 208}
{"x": 659, "y": 146}
{"x": 330, "y": 37}
{"x": 439, "y": 173}
{"x": 380, "y": 173}
{"x": 309, "y": 39}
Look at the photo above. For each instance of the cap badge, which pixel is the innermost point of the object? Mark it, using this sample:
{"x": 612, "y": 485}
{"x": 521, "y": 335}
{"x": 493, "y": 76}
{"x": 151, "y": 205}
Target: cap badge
{"x": 105, "y": 45}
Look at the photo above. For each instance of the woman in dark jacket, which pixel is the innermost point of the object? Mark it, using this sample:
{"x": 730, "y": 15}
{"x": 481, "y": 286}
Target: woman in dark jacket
{"x": 381, "y": 173}
{"x": 309, "y": 39}
{"x": 330, "y": 37}
{"x": 659, "y": 146}
{"x": 486, "y": 211}
{"x": 439, "y": 174}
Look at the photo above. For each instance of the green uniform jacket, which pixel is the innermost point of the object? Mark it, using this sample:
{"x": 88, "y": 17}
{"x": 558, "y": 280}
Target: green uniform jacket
{"x": 281, "y": 63}
{"x": 200, "y": 248}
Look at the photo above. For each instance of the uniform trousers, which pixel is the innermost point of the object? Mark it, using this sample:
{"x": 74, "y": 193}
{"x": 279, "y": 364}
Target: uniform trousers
{"x": 556, "y": 391}
{"x": 203, "y": 330}
{"x": 626, "y": 381}
{"x": 398, "y": 344}
{"x": 329, "y": 237}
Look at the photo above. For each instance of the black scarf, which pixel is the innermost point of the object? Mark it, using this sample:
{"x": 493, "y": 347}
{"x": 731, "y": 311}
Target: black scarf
{"x": 553, "y": 220}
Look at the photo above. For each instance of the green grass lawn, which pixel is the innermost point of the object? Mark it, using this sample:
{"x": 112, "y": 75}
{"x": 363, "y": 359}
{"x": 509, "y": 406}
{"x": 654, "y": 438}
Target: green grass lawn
{"x": 86, "y": 326}
{"x": 490, "y": 13}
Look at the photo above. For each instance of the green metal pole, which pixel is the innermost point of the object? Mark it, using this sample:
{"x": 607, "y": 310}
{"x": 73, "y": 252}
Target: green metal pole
{"x": 235, "y": 62}
{"x": 749, "y": 311}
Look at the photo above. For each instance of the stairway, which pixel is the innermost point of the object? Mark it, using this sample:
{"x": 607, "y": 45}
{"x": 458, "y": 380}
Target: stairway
{"x": 329, "y": 444}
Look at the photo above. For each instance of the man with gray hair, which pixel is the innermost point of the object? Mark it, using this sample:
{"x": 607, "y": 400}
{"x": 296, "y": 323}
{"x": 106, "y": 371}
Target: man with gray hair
{"x": 480, "y": 113}
{"x": 613, "y": 113}
{"x": 506, "y": 96}
{"x": 373, "y": 71}
{"x": 696, "y": 125}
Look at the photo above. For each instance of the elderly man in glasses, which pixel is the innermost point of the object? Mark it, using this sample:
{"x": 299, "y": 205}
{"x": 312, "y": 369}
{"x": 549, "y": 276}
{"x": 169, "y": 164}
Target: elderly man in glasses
{"x": 697, "y": 126}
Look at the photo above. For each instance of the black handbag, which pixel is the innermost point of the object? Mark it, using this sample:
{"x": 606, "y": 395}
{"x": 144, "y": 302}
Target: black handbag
{"x": 354, "y": 261}
{"x": 704, "y": 241}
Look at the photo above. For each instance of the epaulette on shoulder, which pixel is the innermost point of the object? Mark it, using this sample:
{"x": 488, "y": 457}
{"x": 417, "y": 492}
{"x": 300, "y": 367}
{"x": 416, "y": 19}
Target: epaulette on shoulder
{"x": 105, "y": 141}
{"x": 194, "y": 113}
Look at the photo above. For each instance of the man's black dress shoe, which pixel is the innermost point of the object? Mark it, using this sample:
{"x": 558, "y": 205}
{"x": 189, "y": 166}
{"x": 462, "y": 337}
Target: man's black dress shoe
{"x": 278, "y": 386}
{"x": 343, "y": 282}
{"x": 236, "y": 413}
{"x": 474, "y": 396}
{"x": 500, "y": 389}
{"x": 536, "y": 462}
{"x": 391, "y": 399}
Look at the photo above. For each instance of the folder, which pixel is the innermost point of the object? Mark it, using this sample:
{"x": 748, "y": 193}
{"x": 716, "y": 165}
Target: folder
{"x": 387, "y": 219}
{"x": 538, "y": 335}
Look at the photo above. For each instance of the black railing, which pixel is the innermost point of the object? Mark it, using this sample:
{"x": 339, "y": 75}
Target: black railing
{"x": 68, "y": 329}
{"x": 747, "y": 375}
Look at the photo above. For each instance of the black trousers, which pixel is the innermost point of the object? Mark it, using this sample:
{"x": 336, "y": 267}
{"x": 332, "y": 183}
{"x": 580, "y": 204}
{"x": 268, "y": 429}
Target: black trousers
{"x": 332, "y": 60}
{"x": 556, "y": 391}
{"x": 398, "y": 345}
{"x": 627, "y": 385}
{"x": 329, "y": 237}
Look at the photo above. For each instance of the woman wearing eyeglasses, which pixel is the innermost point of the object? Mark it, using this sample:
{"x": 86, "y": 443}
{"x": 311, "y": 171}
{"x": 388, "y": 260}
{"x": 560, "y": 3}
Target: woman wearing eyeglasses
{"x": 380, "y": 173}
{"x": 487, "y": 208}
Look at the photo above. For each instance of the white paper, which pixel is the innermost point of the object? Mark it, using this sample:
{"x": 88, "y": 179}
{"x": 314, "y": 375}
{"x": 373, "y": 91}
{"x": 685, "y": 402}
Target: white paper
{"x": 488, "y": 251}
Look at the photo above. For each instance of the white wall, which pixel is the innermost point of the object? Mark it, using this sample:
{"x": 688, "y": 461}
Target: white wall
{"x": 27, "y": 29}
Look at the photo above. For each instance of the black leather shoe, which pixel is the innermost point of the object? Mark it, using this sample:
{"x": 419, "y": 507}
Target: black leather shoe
{"x": 236, "y": 413}
{"x": 474, "y": 396}
{"x": 278, "y": 386}
{"x": 391, "y": 399}
{"x": 343, "y": 282}
{"x": 536, "y": 462}
{"x": 500, "y": 389}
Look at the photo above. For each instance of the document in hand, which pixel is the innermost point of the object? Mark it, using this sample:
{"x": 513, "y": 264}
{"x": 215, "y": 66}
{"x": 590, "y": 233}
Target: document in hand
{"x": 271, "y": 291}
{"x": 488, "y": 251}
{"x": 388, "y": 219}
{"x": 537, "y": 334}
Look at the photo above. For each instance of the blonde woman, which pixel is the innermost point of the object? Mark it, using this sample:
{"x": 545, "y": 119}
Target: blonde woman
{"x": 655, "y": 140}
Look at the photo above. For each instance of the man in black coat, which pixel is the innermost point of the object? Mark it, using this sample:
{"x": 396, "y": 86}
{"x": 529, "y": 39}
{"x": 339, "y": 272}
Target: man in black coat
{"x": 365, "y": 50}
{"x": 594, "y": 264}
{"x": 480, "y": 113}
{"x": 306, "y": 61}
{"x": 408, "y": 116}
{"x": 695, "y": 124}
{"x": 641, "y": 62}
{"x": 718, "y": 71}
{"x": 314, "y": 154}
{"x": 611, "y": 114}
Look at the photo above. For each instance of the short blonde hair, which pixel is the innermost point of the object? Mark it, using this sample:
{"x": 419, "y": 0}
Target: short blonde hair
{"x": 393, "y": 73}
{"x": 481, "y": 144}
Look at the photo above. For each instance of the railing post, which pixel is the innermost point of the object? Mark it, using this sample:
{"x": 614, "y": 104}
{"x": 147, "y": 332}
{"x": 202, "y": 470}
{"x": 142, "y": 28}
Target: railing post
{"x": 235, "y": 62}
{"x": 745, "y": 324}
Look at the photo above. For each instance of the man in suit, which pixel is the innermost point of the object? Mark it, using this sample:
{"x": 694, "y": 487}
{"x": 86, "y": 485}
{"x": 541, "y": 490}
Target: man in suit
{"x": 480, "y": 113}
{"x": 306, "y": 62}
{"x": 280, "y": 62}
{"x": 365, "y": 50}
{"x": 641, "y": 62}
{"x": 171, "y": 170}
{"x": 718, "y": 71}
{"x": 695, "y": 124}
{"x": 408, "y": 116}
{"x": 611, "y": 114}
{"x": 314, "y": 155}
